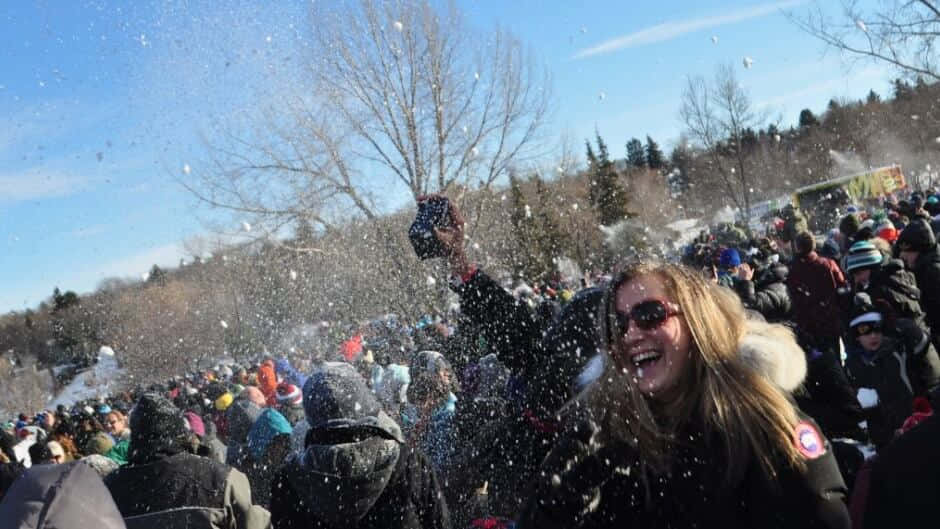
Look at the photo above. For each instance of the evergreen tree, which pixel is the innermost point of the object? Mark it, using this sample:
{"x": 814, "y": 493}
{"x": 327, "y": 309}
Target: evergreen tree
{"x": 654, "y": 156}
{"x": 523, "y": 227}
{"x": 552, "y": 242}
{"x": 636, "y": 157}
{"x": 678, "y": 179}
{"x": 157, "y": 276}
{"x": 902, "y": 90}
{"x": 606, "y": 194}
{"x": 808, "y": 119}
{"x": 873, "y": 97}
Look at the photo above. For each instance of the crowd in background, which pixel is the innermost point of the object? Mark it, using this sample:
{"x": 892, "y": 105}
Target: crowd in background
{"x": 514, "y": 412}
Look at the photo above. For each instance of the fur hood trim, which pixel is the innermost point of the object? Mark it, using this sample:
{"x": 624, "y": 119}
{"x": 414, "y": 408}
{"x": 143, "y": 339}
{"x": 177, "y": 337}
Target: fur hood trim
{"x": 772, "y": 351}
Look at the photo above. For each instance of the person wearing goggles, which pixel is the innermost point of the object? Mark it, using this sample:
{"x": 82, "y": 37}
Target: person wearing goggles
{"x": 889, "y": 362}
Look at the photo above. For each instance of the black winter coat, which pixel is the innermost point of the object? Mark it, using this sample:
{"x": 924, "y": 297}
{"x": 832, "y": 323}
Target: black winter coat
{"x": 904, "y": 488}
{"x": 185, "y": 490}
{"x": 598, "y": 485}
{"x": 371, "y": 484}
{"x": 767, "y": 293}
{"x": 828, "y": 398}
{"x": 906, "y": 365}
{"x": 548, "y": 359}
{"x": 927, "y": 272}
{"x": 893, "y": 286}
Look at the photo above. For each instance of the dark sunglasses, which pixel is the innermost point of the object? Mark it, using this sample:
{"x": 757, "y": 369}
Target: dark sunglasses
{"x": 647, "y": 315}
{"x": 867, "y": 328}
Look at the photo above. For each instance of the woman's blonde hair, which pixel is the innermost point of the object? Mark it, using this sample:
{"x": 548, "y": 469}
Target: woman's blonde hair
{"x": 747, "y": 412}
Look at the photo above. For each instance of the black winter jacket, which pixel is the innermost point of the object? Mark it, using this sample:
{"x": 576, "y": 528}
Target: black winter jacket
{"x": 906, "y": 365}
{"x": 893, "y": 286}
{"x": 590, "y": 483}
{"x": 548, "y": 360}
{"x": 927, "y": 272}
{"x": 905, "y": 485}
{"x": 185, "y": 490}
{"x": 370, "y": 484}
{"x": 767, "y": 293}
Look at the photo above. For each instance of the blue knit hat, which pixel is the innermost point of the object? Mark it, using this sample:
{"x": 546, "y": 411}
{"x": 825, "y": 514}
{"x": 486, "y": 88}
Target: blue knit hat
{"x": 729, "y": 258}
{"x": 862, "y": 254}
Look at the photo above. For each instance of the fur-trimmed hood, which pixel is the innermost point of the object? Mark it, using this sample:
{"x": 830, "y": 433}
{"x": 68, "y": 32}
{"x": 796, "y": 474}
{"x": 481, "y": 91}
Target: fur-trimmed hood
{"x": 772, "y": 351}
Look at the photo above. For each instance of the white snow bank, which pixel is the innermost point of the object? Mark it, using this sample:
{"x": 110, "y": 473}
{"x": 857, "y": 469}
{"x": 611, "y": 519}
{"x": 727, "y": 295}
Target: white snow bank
{"x": 96, "y": 382}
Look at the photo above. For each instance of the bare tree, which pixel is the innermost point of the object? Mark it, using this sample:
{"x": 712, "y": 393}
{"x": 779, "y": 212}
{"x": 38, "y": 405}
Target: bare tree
{"x": 720, "y": 118}
{"x": 398, "y": 92}
{"x": 901, "y": 33}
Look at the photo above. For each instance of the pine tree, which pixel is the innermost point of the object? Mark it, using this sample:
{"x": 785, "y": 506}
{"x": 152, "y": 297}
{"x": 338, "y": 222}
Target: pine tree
{"x": 552, "y": 242}
{"x": 873, "y": 97}
{"x": 606, "y": 194}
{"x": 654, "y": 155}
{"x": 807, "y": 118}
{"x": 636, "y": 157}
{"x": 678, "y": 179}
{"x": 157, "y": 276}
{"x": 523, "y": 228}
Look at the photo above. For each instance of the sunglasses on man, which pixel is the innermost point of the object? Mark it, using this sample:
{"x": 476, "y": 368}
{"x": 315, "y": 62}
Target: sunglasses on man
{"x": 646, "y": 315}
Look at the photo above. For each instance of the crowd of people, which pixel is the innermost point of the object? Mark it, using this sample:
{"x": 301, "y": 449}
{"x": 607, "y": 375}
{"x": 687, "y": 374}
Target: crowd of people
{"x": 782, "y": 381}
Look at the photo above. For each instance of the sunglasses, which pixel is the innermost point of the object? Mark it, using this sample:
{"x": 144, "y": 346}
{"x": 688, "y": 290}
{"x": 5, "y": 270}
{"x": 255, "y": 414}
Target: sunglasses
{"x": 867, "y": 328}
{"x": 647, "y": 315}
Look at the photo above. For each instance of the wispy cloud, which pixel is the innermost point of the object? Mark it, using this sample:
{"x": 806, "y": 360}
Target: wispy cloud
{"x": 35, "y": 184}
{"x": 670, "y": 30}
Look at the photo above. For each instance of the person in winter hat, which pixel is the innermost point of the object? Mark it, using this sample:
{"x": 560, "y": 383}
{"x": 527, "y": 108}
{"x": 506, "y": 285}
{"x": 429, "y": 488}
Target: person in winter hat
{"x": 67, "y": 496}
{"x": 165, "y": 485}
{"x": 815, "y": 284}
{"x": 888, "y": 363}
{"x": 917, "y": 247}
{"x": 889, "y": 285}
{"x": 268, "y": 446}
{"x": 646, "y": 445}
{"x": 355, "y": 470}
{"x": 240, "y": 417}
{"x": 253, "y": 394}
{"x": 762, "y": 287}
{"x": 290, "y": 402}
{"x": 921, "y": 410}
{"x": 728, "y": 263}
{"x": 429, "y": 416}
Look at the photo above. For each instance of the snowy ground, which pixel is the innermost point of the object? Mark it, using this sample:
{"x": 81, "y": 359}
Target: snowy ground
{"x": 93, "y": 383}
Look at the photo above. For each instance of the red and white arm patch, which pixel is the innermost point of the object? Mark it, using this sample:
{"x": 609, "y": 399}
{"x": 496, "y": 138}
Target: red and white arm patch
{"x": 808, "y": 440}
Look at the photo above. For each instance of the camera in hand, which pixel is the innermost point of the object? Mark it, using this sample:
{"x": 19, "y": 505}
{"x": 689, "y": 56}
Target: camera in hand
{"x": 432, "y": 213}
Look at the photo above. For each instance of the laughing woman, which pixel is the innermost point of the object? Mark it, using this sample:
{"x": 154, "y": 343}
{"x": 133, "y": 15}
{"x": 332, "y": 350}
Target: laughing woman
{"x": 691, "y": 424}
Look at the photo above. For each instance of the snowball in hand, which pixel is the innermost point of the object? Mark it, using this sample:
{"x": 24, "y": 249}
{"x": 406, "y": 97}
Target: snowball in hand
{"x": 867, "y": 397}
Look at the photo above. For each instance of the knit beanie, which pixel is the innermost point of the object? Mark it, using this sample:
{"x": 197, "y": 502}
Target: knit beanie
{"x": 289, "y": 394}
{"x": 887, "y": 232}
{"x": 862, "y": 254}
{"x": 917, "y": 236}
{"x": 848, "y": 226}
{"x": 99, "y": 443}
{"x": 224, "y": 401}
{"x": 729, "y": 258}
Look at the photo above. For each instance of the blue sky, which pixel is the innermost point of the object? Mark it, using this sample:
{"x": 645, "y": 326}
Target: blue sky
{"x": 102, "y": 103}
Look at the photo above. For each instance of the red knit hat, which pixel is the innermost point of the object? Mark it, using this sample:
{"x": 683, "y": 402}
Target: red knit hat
{"x": 922, "y": 411}
{"x": 289, "y": 394}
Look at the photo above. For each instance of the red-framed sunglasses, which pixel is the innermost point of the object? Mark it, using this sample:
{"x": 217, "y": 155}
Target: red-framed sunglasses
{"x": 648, "y": 315}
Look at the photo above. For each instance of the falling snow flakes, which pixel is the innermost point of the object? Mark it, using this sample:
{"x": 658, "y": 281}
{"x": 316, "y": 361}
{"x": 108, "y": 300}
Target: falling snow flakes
{"x": 602, "y": 96}
{"x": 186, "y": 168}
{"x": 246, "y": 227}
{"x": 861, "y": 25}
{"x": 399, "y": 27}
{"x": 528, "y": 212}
{"x": 143, "y": 40}
{"x": 293, "y": 275}
{"x": 223, "y": 324}
{"x": 748, "y": 62}
{"x": 476, "y": 76}
{"x": 714, "y": 39}
{"x": 430, "y": 281}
